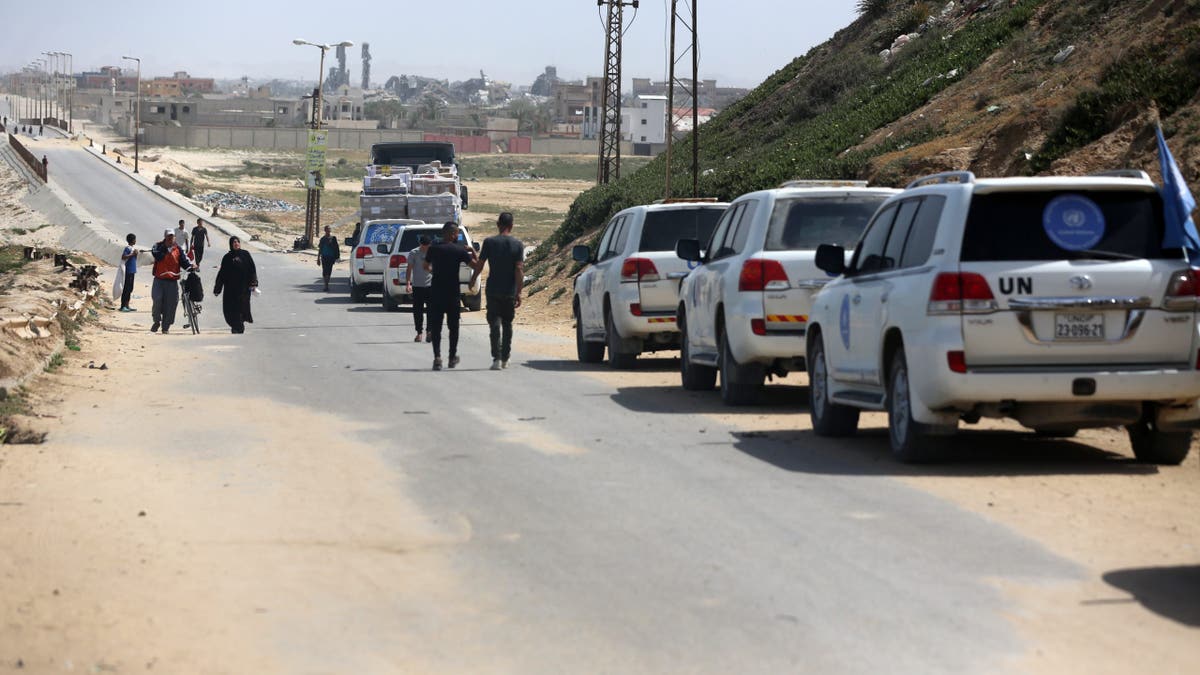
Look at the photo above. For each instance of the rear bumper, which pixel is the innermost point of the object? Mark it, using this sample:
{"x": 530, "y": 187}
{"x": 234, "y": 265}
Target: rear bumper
{"x": 653, "y": 320}
{"x": 749, "y": 347}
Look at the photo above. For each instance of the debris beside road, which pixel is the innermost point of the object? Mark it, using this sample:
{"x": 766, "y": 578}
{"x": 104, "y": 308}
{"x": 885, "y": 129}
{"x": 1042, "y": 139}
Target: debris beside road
{"x": 241, "y": 202}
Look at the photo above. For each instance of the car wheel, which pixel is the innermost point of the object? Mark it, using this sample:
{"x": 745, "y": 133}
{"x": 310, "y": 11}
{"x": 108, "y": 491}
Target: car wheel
{"x": 909, "y": 438}
{"x": 694, "y": 376}
{"x": 473, "y": 302}
{"x": 740, "y": 384}
{"x": 587, "y": 352}
{"x": 389, "y": 303}
{"x": 828, "y": 418}
{"x": 618, "y": 359}
{"x": 1153, "y": 446}
{"x": 356, "y": 293}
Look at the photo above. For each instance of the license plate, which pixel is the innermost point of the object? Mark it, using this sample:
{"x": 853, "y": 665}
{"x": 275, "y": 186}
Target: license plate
{"x": 1078, "y": 326}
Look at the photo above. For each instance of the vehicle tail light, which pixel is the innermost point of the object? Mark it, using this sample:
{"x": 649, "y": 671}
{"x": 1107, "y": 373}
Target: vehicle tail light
{"x": 362, "y": 251}
{"x": 397, "y": 260}
{"x": 635, "y": 308}
{"x": 758, "y": 326}
{"x": 957, "y": 361}
{"x": 961, "y": 293}
{"x": 762, "y": 275}
{"x": 1183, "y": 290}
{"x": 639, "y": 270}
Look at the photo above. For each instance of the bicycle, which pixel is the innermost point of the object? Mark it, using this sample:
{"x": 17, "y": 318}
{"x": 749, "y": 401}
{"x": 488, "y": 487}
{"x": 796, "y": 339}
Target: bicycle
{"x": 192, "y": 292}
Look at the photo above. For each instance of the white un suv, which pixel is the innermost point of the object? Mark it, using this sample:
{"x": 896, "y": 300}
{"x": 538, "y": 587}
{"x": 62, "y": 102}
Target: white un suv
{"x": 1048, "y": 300}
{"x": 395, "y": 275}
{"x": 743, "y": 310}
{"x": 625, "y": 301}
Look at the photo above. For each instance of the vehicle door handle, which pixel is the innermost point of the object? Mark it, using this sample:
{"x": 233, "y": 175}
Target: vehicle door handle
{"x": 856, "y": 299}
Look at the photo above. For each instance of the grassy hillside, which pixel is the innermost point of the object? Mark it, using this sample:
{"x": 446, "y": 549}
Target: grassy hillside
{"x": 987, "y": 86}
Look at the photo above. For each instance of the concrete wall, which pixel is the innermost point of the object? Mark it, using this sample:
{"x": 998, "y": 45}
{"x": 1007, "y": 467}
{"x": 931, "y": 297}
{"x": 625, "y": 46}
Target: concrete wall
{"x": 572, "y": 146}
{"x": 271, "y": 138}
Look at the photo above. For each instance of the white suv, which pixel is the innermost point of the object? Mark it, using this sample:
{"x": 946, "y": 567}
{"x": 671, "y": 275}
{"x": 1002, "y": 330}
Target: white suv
{"x": 625, "y": 301}
{"x": 1048, "y": 300}
{"x": 395, "y": 275}
{"x": 743, "y": 311}
{"x": 370, "y": 256}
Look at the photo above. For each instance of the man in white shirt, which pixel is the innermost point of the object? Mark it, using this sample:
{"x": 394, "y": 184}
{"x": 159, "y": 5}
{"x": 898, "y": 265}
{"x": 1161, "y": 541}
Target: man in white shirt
{"x": 182, "y": 238}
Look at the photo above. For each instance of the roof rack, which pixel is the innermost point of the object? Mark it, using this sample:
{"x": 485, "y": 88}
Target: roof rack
{"x": 818, "y": 183}
{"x": 687, "y": 200}
{"x": 943, "y": 178}
{"x": 1123, "y": 173}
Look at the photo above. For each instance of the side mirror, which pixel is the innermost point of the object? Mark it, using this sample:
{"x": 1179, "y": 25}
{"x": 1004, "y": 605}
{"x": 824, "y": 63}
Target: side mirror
{"x": 688, "y": 249}
{"x": 383, "y": 249}
{"x": 831, "y": 259}
{"x": 475, "y": 245}
{"x": 581, "y": 254}
{"x": 349, "y": 241}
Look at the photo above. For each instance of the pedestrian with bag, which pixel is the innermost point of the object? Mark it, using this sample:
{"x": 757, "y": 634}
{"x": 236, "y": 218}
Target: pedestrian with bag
{"x": 328, "y": 253}
{"x": 505, "y": 257}
{"x": 169, "y": 261}
{"x": 237, "y": 278}
{"x": 443, "y": 260}
{"x": 128, "y": 270}
{"x": 417, "y": 281}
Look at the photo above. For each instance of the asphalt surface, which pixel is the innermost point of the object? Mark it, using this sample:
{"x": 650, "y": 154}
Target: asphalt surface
{"x": 599, "y": 533}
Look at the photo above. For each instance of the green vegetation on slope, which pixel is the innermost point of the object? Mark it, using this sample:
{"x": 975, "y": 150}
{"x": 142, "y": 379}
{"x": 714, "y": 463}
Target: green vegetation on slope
{"x": 804, "y": 120}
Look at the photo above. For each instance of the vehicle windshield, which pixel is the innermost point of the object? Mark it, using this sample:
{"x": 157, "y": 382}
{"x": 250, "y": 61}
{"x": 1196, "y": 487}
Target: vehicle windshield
{"x": 1065, "y": 225}
{"x": 663, "y": 228}
{"x": 803, "y": 223}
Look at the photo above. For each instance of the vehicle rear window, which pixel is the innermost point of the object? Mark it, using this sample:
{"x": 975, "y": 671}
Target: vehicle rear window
{"x": 662, "y": 229}
{"x": 803, "y": 223}
{"x": 380, "y": 233}
{"x": 1009, "y": 226}
{"x": 410, "y": 239}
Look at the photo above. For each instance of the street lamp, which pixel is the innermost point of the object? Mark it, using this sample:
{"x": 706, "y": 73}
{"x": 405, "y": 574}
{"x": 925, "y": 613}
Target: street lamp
{"x": 312, "y": 215}
{"x": 70, "y": 91}
{"x": 52, "y": 91}
{"x": 137, "y": 123}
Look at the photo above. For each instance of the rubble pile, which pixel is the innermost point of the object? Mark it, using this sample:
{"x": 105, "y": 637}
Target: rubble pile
{"x": 234, "y": 201}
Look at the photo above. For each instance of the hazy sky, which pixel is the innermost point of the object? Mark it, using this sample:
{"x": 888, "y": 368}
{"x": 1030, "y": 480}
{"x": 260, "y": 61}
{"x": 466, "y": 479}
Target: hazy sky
{"x": 741, "y": 41}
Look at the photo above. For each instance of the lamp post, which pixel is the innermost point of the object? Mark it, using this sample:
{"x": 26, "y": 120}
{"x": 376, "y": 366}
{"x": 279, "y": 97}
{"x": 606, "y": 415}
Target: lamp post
{"x": 312, "y": 215}
{"x": 137, "y": 123}
{"x": 37, "y": 90}
{"x": 70, "y": 91}
{"x": 51, "y": 92}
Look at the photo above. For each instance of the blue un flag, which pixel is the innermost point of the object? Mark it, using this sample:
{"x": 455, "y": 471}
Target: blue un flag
{"x": 1178, "y": 204}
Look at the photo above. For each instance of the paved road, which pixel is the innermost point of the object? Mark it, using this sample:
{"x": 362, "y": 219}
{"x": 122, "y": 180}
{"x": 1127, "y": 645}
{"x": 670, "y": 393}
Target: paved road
{"x": 605, "y": 536}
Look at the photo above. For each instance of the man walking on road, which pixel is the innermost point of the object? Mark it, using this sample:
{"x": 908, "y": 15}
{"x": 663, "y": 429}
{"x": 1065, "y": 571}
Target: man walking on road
{"x": 443, "y": 260}
{"x": 199, "y": 240}
{"x": 505, "y": 255}
{"x": 169, "y": 261}
{"x": 417, "y": 284}
{"x": 328, "y": 253}
{"x": 181, "y": 236}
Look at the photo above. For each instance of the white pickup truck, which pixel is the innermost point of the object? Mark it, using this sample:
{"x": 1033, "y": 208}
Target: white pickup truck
{"x": 625, "y": 300}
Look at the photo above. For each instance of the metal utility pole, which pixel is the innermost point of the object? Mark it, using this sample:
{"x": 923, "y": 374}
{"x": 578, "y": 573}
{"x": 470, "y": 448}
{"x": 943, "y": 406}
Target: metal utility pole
{"x": 680, "y": 20}
{"x": 610, "y": 103}
{"x": 137, "y": 123}
{"x": 312, "y": 207}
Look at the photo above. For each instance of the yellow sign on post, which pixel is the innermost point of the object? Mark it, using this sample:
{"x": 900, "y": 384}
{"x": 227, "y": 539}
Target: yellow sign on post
{"x": 314, "y": 165}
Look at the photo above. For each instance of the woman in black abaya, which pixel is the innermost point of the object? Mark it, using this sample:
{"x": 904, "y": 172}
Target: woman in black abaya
{"x": 237, "y": 277}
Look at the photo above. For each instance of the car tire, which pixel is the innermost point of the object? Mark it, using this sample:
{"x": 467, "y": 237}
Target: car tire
{"x": 740, "y": 384}
{"x": 587, "y": 352}
{"x": 693, "y": 376}
{"x": 617, "y": 359}
{"x": 356, "y": 293}
{"x": 828, "y": 418}
{"x": 909, "y": 438}
{"x": 1152, "y": 446}
{"x": 473, "y": 302}
{"x": 389, "y": 303}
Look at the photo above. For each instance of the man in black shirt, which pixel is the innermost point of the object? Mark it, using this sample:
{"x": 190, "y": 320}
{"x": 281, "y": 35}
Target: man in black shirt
{"x": 443, "y": 261}
{"x": 506, "y": 256}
